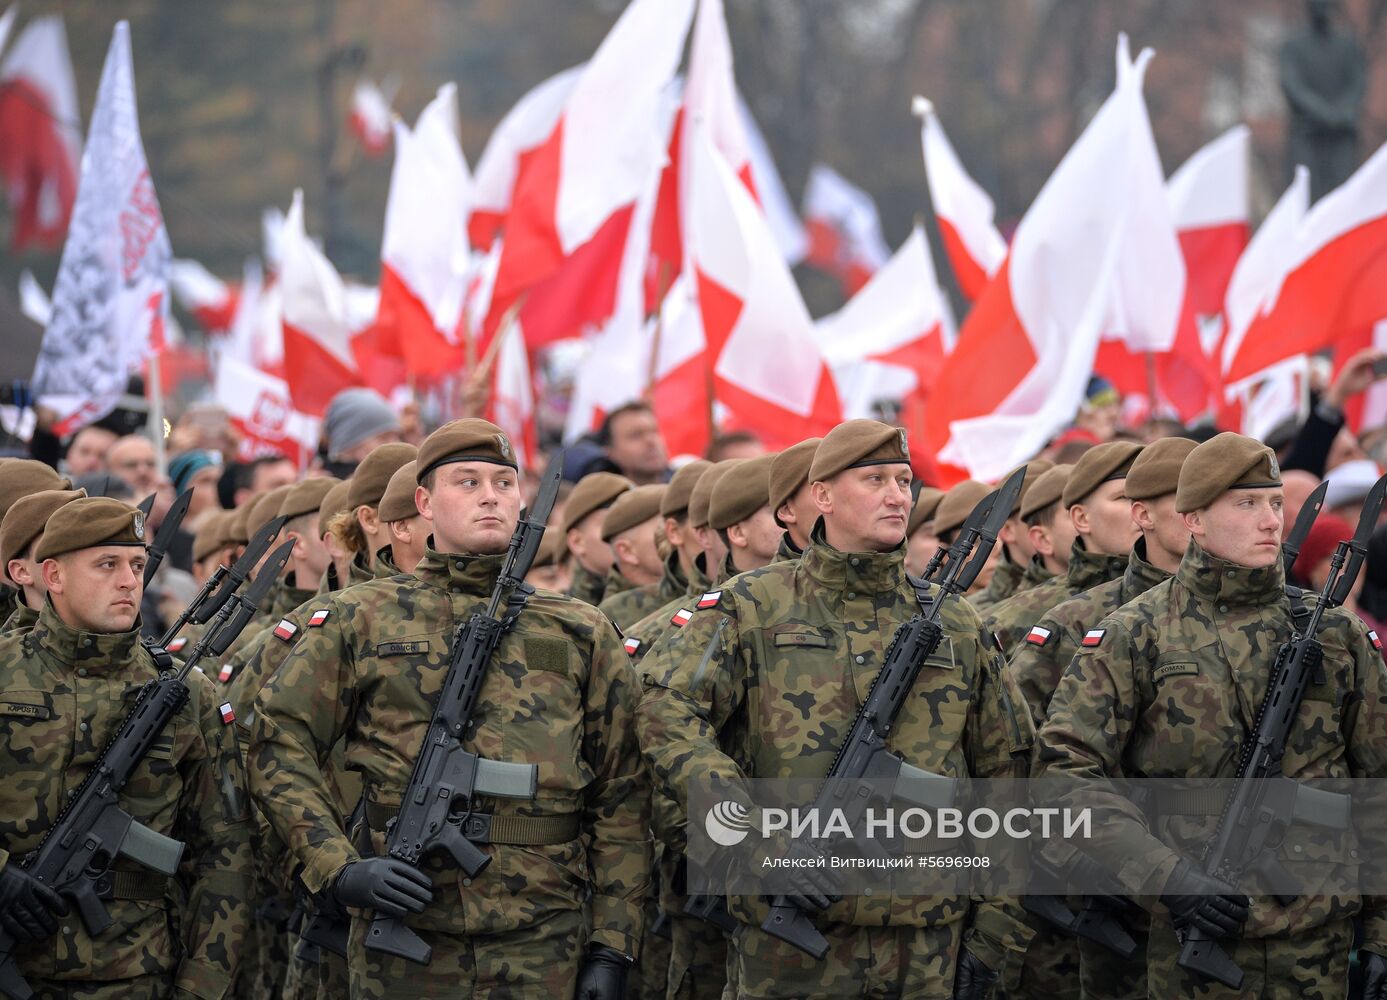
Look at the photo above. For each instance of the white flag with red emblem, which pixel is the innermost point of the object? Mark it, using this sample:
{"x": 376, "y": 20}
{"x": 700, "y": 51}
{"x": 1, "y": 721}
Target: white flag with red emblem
{"x": 111, "y": 294}
{"x": 40, "y": 133}
{"x": 211, "y": 301}
{"x": 844, "y": 228}
{"x": 318, "y": 360}
{"x": 259, "y": 406}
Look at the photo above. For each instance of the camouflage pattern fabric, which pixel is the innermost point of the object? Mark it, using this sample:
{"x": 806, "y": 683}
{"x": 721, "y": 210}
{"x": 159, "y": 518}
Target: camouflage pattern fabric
{"x": 794, "y": 647}
{"x": 787, "y": 549}
{"x": 559, "y": 693}
{"x": 286, "y": 598}
{"x": 1007, "y": 579}
{"x": 64, "y": 694}
{"x": 586, "y": 587}
{"x": 1186, "y": 665}
{"x": 21, "y": 619}
{"x": 642, "y": 636}
{"x": 1010, "y": 620}
{"x": 1310, "y": 965}
{"x": 9, "y": 600}
{"x": 628, "y": 607}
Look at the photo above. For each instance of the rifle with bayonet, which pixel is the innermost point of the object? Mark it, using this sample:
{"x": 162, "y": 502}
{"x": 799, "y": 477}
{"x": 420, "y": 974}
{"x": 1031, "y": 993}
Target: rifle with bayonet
{"x": 224, "y": 581}
{"x": 438, "y": 800}
{"x": 92, "y": 830}
{"x": 1264, "y": 802}
{"x": 163, "y": 538}
{"x": 863, "y": 760}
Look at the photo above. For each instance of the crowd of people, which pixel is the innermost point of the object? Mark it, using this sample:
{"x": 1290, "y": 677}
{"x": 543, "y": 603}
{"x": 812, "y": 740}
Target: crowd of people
{"x": 715, "y": 618}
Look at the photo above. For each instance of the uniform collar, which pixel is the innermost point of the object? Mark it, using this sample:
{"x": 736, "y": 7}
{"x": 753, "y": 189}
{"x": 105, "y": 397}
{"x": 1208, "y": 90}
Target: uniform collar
{"x": 1006, "y": 579}
{"x": 672, "y": 581}
{"x": 1140, "y": 576}
{"x": 1088, "y": 569}
{"x": 23, "y": 617}
{"x": 1222, "y": 582}
{"x": 475, "y": 575}
{"x": 864, "y": 572}
{"x": 788, "y": 550}
{"x": 359, "y": 572}
{"x": 1036, "y": 572}
{"x": 292, "y": 595}
{"x": 383, "y": 564}
{"x": 616, "y": 583}
{"x": 70, "y": 645}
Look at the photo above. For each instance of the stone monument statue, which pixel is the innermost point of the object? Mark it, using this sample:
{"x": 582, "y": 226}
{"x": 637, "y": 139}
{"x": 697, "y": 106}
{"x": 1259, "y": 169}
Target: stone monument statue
{"x": 1323, "y": 74}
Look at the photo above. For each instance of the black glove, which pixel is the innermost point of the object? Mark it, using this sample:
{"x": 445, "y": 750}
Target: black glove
{"x": 1374, "y": 969}
{"x": 812, "y": 887}
{"x": 973, "y": 980}
{"x": 603, "y": 976}
{"x": 388, "y": 886}
{"x": 1203, "y": 902}
{"x": 29, "y": 910}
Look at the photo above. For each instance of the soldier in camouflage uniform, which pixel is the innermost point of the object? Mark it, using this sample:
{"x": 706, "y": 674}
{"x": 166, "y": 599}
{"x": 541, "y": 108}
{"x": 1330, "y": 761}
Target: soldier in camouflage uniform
{"x": 1188, "y": 662}
{"x": 1103, "y": 534}
{"x": 739, "y": 511}
{"x": 22, "y": 477}
{"x": 68, "y": 684}
{"x": 792, "y": 498}
{"x": 21, "y": 529}
{"x": 1058, "y": 965}
{"x": 560, "y": 900}
{"x": 1015, "y": 547}
{"x": 583, "y": 514}
{"x": 357, "y": 528}
{"x": 949, "y": 516}
{"x": 718, "y": 700}
{"x": 339, "y": 569}
{"x": 409, "y": 532}
{"x": 631, "y": 528}
{"x": 921, "y": 543}
{"x": 263, "y": 510}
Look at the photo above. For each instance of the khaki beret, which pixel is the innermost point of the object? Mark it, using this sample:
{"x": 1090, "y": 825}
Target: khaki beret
{"x": 265, "y": 508}
{"x": 592, "y": 493}
{"x": 1224, "y": 462}
{"x": 790, "y": 471}
{"x": 855, "y": 443}
{"x": 89, "y": 522}
{"x": 1048, "y": 489}
{"x": 24, "y": 522}
{"x": 739, "y": 496}
{"x": 703, "y": 493}
{"x": 1035, "y": 468}
{"x": 213, "y": 534}
{"x": 237, "y": 532}
{"x": 334, "y": 503}
{"x": 24, "y": 476}
{"x": 681, "y": 486}
{"x": 553, "y": 550}
{"x": 372, "y": 476}
{"x": 923, "y": 509}
{"x": 1156, "y": 471}
{"x": 1100, "y": 464}
{"x": 957, "y": 504}
{"x": 307, "y": 497}
{"x": 468, "y": 440}
{"x": 398, "y": 503}
{"x": 632, "y": 508}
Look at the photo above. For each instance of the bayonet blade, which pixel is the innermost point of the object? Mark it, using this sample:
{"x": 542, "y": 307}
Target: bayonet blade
{"x": 145, "y": 506}
{"x": 1358, "y": 547}
{"x": 240, "y": 569}
{"x": 1290, "y": 548}
{"x": 268, "y": 574}
{"x": 163, "y": 538}
{"x": 548, "y": 492}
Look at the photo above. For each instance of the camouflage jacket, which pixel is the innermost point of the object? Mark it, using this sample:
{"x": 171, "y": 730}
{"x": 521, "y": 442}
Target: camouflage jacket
{"x": 1169, "y": 686}
{"x": 9, "y": 600}
{"x": 765, "y": 682}
{"x": 264, "y": 615}
{"x": 1039, "y": 659}
{"x": 788, "y": 550}
{"x": 1007, "y": 579}
{"x": 629, "y": 606}
{"x": 367, "y": 664}
{"x": 64, "y": 695}
{"x": 21, "y": 619}
{"x": 285, "y": 597}
{"x": 1012, "y": 619}
{"x": 641, "y": 637}
{"x": 586, "y": 586}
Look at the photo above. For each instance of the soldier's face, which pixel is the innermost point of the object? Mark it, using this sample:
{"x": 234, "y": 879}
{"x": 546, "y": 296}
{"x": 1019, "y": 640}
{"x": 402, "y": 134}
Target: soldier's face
{"x": 1242, "y": 527}
{"x": 97, "y": 589}
{"x": 472, "y": 507}
{"x": 1105, "y": 519}
{"x": 865, "y": 510}
{"x": 758, "y": 537}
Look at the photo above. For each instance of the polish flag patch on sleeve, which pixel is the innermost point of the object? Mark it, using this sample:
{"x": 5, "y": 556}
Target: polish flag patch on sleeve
{"x": 681, "y": 618}
{"x": 177, "y": 644}
{"x": 228, "y": 714}
{"x": 1038, "y": 636}
{"x": 632, "y": 644}
{"x": 1372, "y": 635}
{"x": 317, "y": 618}
{"x": 224, "y": 674}
{"x": 286, "y": 629}
{"x": 1093, "y": 637}
{"x": 709, "y": 600}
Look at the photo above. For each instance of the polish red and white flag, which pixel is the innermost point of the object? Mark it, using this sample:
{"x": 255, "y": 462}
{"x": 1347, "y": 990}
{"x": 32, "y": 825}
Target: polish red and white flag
{"x": 370, "y": 116}
{"x": 211, "y": 301}
{"x": 844, "y": 229}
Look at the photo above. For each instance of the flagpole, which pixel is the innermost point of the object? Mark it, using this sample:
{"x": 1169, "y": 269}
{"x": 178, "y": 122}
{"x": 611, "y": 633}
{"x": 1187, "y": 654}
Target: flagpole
{"x": 662, "y": 291}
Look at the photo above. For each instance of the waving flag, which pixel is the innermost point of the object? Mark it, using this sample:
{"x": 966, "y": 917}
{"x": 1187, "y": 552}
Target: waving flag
{"x": 844, "y": 229}
{"x": 574, "y": 195}
{"x": 964, "y": 210}
{"x": 111, "y": 295}
{"x": 263, "y": 414}
{"x": 40, "y": 141}
{"x": 370, "y": 117}
{"x": 211, "y": 300}
{"x": 6, "y": 24}
{"x": 889, "y": 341}
{"x": 424, "y": 256}
{"x": 318, "y": 360}
{"x": 1081, "y": 264}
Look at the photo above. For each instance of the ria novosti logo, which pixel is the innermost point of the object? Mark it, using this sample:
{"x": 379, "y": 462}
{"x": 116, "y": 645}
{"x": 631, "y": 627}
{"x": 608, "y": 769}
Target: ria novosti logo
{"x": 728, "y": 824}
